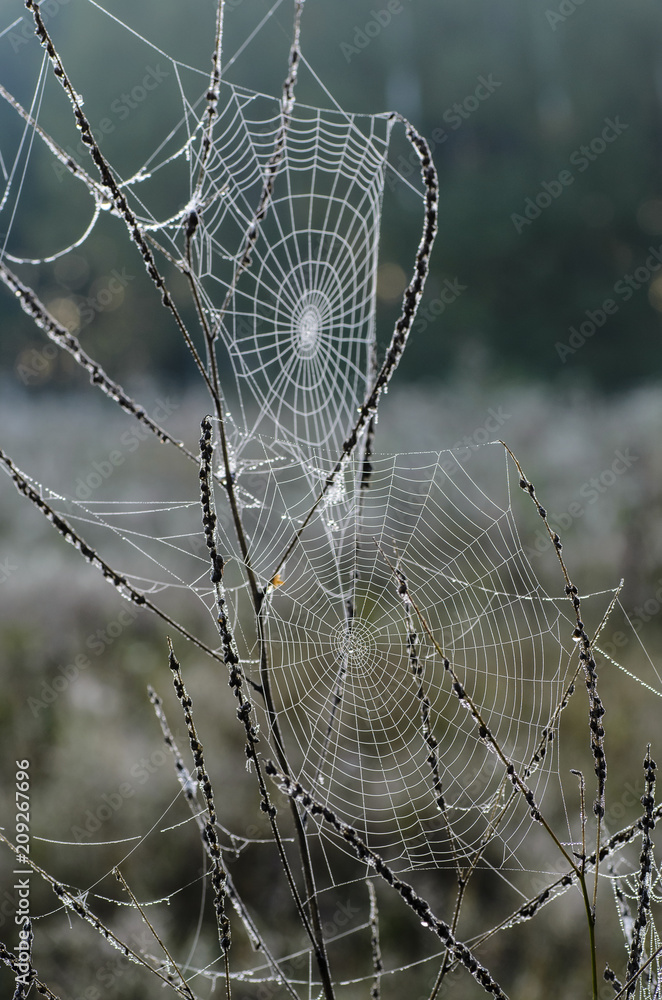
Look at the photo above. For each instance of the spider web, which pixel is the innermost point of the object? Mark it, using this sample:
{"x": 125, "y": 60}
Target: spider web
{"x": 350, "y": 695}
{"x": 347, "y": 696}
{"x": 297, "y": 324}
{"x": 363, "y": 699}
{"x": 296, "y": 319}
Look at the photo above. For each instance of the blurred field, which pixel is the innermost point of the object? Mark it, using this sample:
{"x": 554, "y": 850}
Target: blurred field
{"x": 97, "y": 734}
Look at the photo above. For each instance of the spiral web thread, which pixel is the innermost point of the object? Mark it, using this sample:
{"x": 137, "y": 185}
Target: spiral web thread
{"x": 391, "y": 752}
{"x": 343, "y": 669}
{"x": 298, "y": 326}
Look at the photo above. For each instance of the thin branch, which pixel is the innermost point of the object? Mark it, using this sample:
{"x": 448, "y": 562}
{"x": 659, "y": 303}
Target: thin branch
{"x": 467, "y": 702}
{"x": 185, "y": 986}
{"x": 11, "y": 961}
{"x": 587, "y": 660}
{"x": 59, "y": 334}
{"x": 245, "y": 710}
{"x": 119, "y": 581}
{"x": 81, "y": 909}
{"x": 231, "y": 657}
{"x": 97, "y": 190}
{"x": 189, "y": 787}
{"x": 377, "y": 963}
{"x": 644, "y": 877}
{"x": 108, "y": 179}
{"x": 631, "y": 982}
{"x": 419, "y": 905}
{"x": 213, "y": 90}
{"x": 219, "y": 875}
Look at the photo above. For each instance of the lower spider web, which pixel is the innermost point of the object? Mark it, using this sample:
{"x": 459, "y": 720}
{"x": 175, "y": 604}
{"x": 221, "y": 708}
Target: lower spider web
{"x": 348, "y": 699}
{"x": 354, "y": 676}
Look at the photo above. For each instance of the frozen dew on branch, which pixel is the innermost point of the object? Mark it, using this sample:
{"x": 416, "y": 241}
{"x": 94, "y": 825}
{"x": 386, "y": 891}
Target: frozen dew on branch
{"x": 410, "y": 703}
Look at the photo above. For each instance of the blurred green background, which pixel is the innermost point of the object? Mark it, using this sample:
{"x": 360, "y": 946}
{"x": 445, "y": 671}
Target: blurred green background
{"x": 510, "y": 95}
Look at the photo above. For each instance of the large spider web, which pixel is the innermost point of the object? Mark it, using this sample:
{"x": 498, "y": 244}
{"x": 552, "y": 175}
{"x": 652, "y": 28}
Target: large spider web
{"x": 298, "y": 324}
{"x": 346, "y": 671}
{"x": 364, "y": 703}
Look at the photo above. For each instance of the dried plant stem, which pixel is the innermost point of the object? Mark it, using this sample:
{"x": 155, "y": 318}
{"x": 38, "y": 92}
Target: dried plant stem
{"x": 108, "y": 179}
{"x": 462, "y": 695}
{"x": 464, "y": 876}
{"x": 422, "y": 909}
{"x": 245, "y": 712}
{"x": 59, "y": 334}
{"x": 97, "y": 190}
{"x": 212, "y": 97}
{"x": 317, "y": 936}
{"x": 25, "y": 977}
{"x": 424, "y": 701}
{"x": 189, "y": 788}
{"x": 582, "y": 815}
{"x": 219, "y": 875}
{"x": 185, "y": 986}
{"x": 10, "y": 960}
{"x": 516, "y": 780}
{"x": 81, "y": 909}
{"x": 377, "y": 963}
{"x": 587, "y": 660}
{"x": 644, "y": 876}
{"x": 633, "y": 981}
{"x": 448, "y": 961}
{"x": 119, "y": 581}
{"x": 596, "y": 708}
{"x": 257, "y": 594}
{"x": 433, "y": 762}
{"x": 529, "y": 909}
